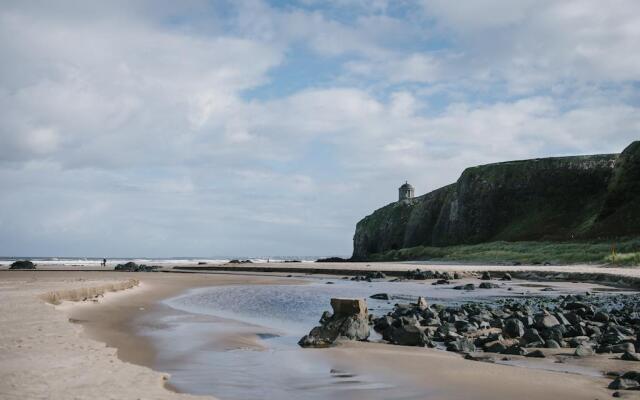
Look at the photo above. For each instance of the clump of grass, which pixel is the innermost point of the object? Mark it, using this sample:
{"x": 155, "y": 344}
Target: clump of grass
{"x": 86, "y": 293}
{"x": 631, "y": 259}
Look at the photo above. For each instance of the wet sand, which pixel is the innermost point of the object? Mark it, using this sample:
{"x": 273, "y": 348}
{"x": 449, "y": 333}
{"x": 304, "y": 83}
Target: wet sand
{"x": 45, "y": 356}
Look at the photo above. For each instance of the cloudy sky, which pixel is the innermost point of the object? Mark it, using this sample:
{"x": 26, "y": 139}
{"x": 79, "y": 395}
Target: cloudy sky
{"x": 203, "y": 128}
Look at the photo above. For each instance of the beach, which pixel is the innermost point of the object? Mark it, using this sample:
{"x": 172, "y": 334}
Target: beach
{"x": 93, "y": 349}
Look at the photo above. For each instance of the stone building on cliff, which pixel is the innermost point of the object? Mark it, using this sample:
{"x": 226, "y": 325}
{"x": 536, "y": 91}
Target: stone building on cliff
{"x": 405, "y": 191}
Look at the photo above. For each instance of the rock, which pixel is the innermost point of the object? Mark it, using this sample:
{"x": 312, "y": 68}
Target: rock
{"x": 515, "y": 350}
{"x": 627, "y": 356}
{"x": 546, "y": 321}
{"x": 376, "y": 275}
{"x": 488, "y": 285}
{"x": 506, "y": 277}
{"x": 497, "y": 346}
{"x": 552, "y": 344}
{"x": 535, "y": 354}
{"x": 461, "y": 345}
{"x": 531, "y": 336}
{"x": 583, "y": 351}
{"x": 332, "y": 260}
{"x": 441, "y": 282}
{"x": 22, "y": 264}
{"x": 513, "y": 328}
{"x": 408, "y": 335}
{"x": 576, "y": 306}
{"x": 348, "y": 307}
{"x": 468, "y": 286}
{"x": 325, "y": 317}
{"x": 133, "y": 267}
{"x": 617, "y": 348}
{"x": 486, "y": 276}
{"x": 601, "y": 317}
{"x": 633, "y": 375}
{"x": 573, "y": 318}
{"x": 350, "y": 320}
{"x": 623, "y": 384}
{"x": 422, "y": 304}
{"x": 561, "y": 319}
{"x": 417, "y": 275}
{"x": 240, "y": 262}
{"x": 380, "y": 296}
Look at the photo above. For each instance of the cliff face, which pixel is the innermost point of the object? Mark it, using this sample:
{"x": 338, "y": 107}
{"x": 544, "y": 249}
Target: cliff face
{"x": 543, "y": 199}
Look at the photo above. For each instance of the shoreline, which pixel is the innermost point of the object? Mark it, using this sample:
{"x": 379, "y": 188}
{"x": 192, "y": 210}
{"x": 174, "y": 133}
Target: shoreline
{"x": 45, "y": 355}
{"x": 110, "y": 321}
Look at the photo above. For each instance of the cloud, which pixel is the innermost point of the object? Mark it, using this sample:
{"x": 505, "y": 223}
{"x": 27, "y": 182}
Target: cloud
{"x": 143, "y": 129}
{"x": 537, "y": 43}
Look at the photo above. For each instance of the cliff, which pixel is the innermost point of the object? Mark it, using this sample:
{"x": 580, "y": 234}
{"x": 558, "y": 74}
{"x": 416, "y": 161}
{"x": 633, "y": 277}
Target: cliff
{"x": 550, "y": 199}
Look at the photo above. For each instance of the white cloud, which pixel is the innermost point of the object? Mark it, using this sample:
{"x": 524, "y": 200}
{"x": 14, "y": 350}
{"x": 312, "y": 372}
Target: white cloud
{"x": 534, "y": 44}
{"x": 128, "y": 126}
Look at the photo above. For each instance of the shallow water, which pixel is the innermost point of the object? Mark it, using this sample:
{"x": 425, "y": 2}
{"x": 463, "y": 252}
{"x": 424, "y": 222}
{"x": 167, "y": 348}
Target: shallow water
{"x": 240, "y": 342}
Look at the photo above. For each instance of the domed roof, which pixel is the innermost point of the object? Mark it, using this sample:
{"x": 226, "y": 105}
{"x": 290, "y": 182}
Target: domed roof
{"x": 406, "y": 185}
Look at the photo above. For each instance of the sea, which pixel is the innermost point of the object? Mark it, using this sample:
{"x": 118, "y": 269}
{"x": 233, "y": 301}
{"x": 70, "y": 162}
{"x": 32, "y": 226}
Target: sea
{"x": 71, "y": 261}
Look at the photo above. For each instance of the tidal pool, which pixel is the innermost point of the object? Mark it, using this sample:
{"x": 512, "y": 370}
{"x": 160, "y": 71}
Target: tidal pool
{"x": 240, "y": 342}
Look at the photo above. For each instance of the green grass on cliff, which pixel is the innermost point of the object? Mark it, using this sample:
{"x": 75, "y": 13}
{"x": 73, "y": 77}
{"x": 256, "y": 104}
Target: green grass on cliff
{"x": 627, "y": 252}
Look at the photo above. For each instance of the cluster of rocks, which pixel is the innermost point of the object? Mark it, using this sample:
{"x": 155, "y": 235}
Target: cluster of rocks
{"x": 588, "y": 324}
{"x": 369, "y": 276}
{"x": 22, "y": 264}
{"x": 333, "y": 260}
{"x": 418, "y": 275}
{"x": 350, "y": 321}
{"x": 133, "y": 267}
{"x": 240, "y": 262}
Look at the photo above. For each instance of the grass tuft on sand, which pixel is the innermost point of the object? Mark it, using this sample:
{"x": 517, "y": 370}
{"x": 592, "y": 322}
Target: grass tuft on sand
{"x": 86, "y": 293}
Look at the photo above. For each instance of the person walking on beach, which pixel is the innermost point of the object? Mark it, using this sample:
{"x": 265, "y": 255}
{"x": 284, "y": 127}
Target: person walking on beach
{"x": 104, "y": 262}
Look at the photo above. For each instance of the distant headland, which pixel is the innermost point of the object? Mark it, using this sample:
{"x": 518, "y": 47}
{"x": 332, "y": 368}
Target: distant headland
{"x": 580, "y": 201}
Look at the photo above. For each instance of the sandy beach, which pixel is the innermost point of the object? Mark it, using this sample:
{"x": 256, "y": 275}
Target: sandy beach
{"x": 90, "y": 349}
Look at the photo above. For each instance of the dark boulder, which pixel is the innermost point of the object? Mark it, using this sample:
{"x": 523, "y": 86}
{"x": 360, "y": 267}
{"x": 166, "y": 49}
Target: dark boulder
{"x": 333, "y": 260}
{"x": 461, "y": 345}
{"x": 583, "y": 351}
{"x": 552, "y": 344}
{"x": 408, "y": 335}
{"x": 627, "y": 356}
{"x": 531, "y": 337}
{"x": 380, "y": 296}
{"x": 535, "y": 354}
{"x": 133, "y": 267}
{"x": 546, "y": 321}
{"x": 488, "y": 285}
{"x": 350, "y": 320}
{"x": 240, "y": 262}
{"x": 513, "y": 328}
{"x": 515, "y": 350}
{"x": 623, "y": 384}
{"x": 486, "y": 276}
{"x": 22, "y": 264}
{"x": 617, "y": 348}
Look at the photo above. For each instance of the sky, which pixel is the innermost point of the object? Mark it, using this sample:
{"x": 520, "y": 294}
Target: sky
{"x": 248, "y": 127}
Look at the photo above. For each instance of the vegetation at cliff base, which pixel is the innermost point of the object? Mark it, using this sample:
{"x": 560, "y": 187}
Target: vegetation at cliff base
{"x": 620, "y": 252}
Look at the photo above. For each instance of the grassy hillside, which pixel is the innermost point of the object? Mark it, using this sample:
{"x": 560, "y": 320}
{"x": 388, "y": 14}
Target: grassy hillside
{"x": 627, "y": 252}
